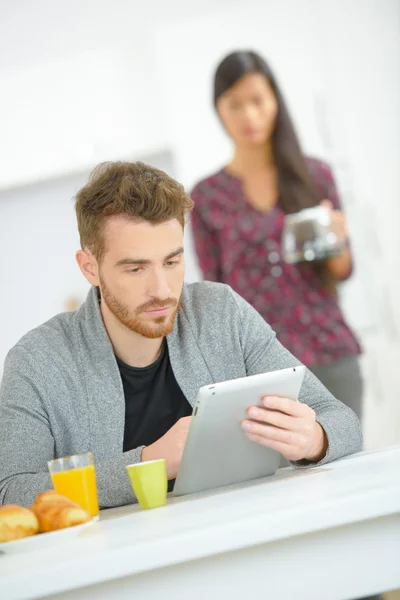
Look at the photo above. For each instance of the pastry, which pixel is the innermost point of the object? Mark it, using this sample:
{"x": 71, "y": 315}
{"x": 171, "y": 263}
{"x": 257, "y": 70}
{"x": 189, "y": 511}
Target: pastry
{"x": 16, "y": 522}
{"x": 55, "y": 511}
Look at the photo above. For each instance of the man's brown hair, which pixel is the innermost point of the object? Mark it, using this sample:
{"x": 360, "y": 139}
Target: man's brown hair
{"x": 131, "y": 189}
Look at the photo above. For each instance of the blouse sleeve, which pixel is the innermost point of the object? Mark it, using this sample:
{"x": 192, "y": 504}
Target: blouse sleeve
{"x": 205, "y": 239}
{"x": 326, "y": 185}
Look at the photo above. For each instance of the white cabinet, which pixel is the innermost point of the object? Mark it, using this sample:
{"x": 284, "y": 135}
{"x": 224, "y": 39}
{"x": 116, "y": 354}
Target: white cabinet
{"x": 69, "y": 112}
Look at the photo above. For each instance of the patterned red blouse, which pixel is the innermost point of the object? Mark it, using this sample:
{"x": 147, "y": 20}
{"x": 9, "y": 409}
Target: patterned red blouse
{"x": 241, "y": 246}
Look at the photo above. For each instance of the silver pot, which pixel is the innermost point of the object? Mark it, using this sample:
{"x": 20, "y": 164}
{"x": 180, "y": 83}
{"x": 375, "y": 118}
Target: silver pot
{"x": 309, "y": 235}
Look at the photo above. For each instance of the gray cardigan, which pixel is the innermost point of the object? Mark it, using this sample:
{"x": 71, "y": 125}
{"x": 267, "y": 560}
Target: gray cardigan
{"x": 62, "y": 394}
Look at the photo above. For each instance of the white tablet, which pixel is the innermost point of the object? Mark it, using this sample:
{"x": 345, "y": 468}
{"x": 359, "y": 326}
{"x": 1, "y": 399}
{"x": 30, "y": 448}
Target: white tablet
{"x": 217, "y": 451}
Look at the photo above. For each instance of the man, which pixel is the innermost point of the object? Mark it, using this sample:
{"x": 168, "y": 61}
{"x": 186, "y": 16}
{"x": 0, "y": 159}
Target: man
{"x": 119, "y": 376}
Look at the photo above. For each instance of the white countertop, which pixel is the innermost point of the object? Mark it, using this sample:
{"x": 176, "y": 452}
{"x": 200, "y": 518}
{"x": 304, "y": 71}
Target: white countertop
{"x": 128, "y": 540}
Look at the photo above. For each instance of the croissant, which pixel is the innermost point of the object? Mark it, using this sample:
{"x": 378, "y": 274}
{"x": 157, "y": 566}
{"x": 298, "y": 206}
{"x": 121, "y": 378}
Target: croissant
{"x": 16, "y": 522}
{"x": 51, "y": 497}
{"x": 55, "y": 511}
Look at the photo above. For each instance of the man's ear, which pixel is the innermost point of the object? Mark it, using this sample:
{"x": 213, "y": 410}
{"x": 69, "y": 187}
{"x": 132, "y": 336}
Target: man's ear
{"x": 89, "y": 266}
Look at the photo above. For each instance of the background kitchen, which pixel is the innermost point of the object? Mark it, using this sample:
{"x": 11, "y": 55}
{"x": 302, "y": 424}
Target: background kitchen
{"x": 83, "y": 82}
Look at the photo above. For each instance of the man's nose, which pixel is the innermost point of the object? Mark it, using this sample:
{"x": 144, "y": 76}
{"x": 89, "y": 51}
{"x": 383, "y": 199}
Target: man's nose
{"x": 158, "y": 285}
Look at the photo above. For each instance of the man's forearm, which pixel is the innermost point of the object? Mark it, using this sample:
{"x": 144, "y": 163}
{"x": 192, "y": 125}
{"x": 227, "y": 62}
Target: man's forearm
{"x": 23, "y": 488}
{"x": 113, "y": 484}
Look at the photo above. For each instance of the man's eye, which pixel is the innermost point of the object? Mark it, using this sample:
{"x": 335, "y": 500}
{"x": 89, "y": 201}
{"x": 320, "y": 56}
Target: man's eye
{"x": 136, "y": 269}
{"x": 171, "y": 263}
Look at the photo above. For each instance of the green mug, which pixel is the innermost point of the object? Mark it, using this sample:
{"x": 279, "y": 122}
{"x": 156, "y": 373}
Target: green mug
{"x": 149, "y": 482}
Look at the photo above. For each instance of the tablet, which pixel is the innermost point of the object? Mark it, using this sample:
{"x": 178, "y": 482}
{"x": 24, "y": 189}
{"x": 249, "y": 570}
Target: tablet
{"x": 217, "y": 451}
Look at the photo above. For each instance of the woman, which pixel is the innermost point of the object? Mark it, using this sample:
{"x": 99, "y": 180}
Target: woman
{"x": 238, "y": 220}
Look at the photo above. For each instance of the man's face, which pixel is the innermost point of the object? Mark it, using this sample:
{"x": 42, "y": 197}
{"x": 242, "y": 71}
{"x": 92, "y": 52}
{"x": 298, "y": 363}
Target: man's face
{"x": 141, "y": 274}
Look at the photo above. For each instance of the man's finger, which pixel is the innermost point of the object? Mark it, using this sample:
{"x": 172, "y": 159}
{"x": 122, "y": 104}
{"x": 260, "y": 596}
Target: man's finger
{"x": 285, "y": 405}
{"x": 270, "y": 432}
{"x": 284, "y": 449}
{"x": 272, "y": 417}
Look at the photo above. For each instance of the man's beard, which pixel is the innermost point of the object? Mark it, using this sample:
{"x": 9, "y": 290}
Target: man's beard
{"x": 159, "y": 326}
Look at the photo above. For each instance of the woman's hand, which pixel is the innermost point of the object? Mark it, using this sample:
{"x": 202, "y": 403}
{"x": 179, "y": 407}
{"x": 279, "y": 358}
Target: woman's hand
{"x": 339, "y": 266}
{"x": 338, "y": 222}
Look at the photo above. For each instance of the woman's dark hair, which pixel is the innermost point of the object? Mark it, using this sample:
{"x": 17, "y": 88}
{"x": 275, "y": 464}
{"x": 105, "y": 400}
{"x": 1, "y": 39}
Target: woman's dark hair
{"x": 295, "y": 186}
{"x": 296, "y": 190}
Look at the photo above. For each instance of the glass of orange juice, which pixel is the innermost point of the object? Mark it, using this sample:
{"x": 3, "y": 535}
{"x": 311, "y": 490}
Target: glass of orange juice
{"x": 75, "y": 478}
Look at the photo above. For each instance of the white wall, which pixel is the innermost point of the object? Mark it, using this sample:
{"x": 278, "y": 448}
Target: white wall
{"x": 198, "y": 140}
{"x": 362, "y": 78}
{"x": 88, "y": 81}
{"x": 79, "y": 83}
{"x": 38, "y": 241}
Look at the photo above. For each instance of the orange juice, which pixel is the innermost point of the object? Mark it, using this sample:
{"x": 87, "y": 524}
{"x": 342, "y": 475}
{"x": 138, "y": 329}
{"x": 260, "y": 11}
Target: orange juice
{"x": 79, "y": 485}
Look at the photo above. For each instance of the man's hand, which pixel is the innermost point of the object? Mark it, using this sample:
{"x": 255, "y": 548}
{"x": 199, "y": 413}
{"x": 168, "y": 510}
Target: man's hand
{"x": 288, "y": 427}
{"x": 169, "y": 446}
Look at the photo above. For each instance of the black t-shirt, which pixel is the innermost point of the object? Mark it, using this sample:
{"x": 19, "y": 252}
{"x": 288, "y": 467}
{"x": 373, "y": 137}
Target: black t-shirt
{"x": 154, "y": 402}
